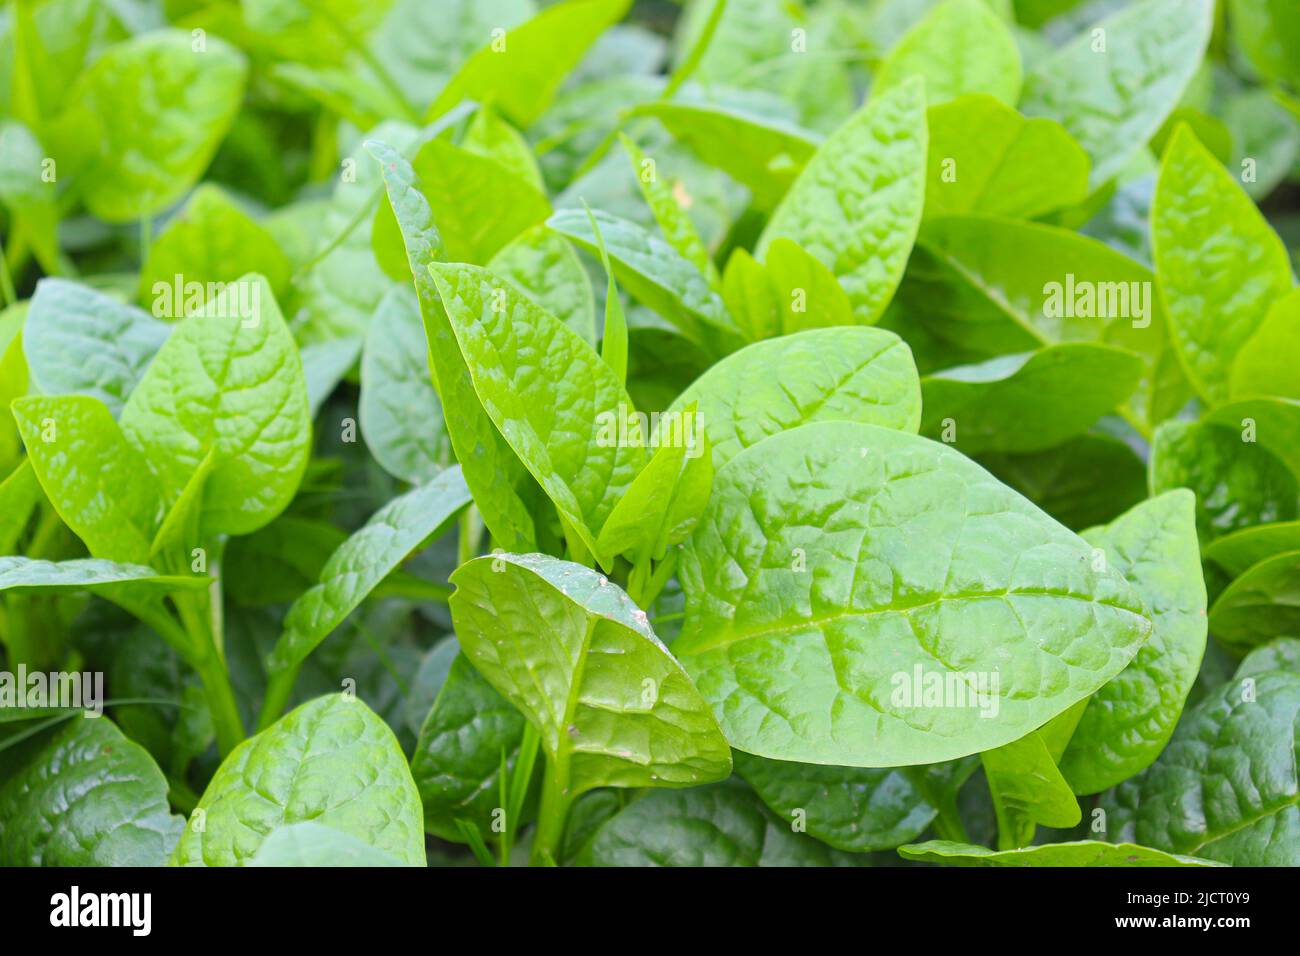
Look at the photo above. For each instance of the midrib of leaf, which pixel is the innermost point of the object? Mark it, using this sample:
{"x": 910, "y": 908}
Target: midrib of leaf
{"x": 563, "y": 747}
{"x": 818, "y": 622}
{"x": 1248, "y": 822}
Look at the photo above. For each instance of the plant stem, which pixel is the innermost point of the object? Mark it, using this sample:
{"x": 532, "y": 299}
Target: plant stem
{"x": 278, "y": 689}
{"x": 221, "y": 702}
{"x": 471, "y": 530}
{"x": 6, "y": 280}
{"x": 553, "y": 814}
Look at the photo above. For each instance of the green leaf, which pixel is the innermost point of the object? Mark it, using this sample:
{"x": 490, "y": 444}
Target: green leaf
{"x": 1218, "y": 262}
{"x": 558, "y": 405}
{"x": 78, "y": 341}
{"x": 721, "y": 825}
{"x": 520, "y": 72}
{"x": 674, "y": 221}
{"x": 1225, "y": 787}
{"x": 791, "y": 292}
{"x": 855, "y": 809}
{"x": 401, "y": 417}
{"x": 491, "y": 136}
{"x": 545, "y": 267}
{"x": 20, "y": 493}
{"x": 765, "y": 154}
{"x": 841, "y": 374}
{"x": 311, "y": 844}
{"x": 1237, "y": 484}
{"x": 211, "y": 239}
{"x": 1072, "y": 853}
{"x": 611, "y": 704}
{"x": 1265, "y": 362}
{"x": 1000, "y": 286}
{"x": 613, "y": 334}
{"x": 85, "y": 795}
{"x": 1281, "y": 654}
{"x": 986, "y": 158}
{"x": 477, "y": 204}
{"x": 457, "y": 761}
{"x": 959, "y": 47}
{"x": 1236, "y": 553}
{"x": 1113, "y": 100}
{"x": 109, "y": 579}
{"x": 1062, "y": 480}
{"x": 146, "y": 159}
{"x": 857, "y": 204}
{"x": 874, "y": 561}
{"x": 331, "y": 761}
{"x": 1128, "y": 721}
{"x": 655, "y": 274}
{"x": 1260, "y": 604}
{"x": 226, "y": 392}
{"x": 361, "y": 562}
{"x": 1028, "y": 402}
{"x": 100, "y": 483}
{"x": 1027, "y": 789}
{"x": 665, "y": 500}
{"x": 491, "y": 468}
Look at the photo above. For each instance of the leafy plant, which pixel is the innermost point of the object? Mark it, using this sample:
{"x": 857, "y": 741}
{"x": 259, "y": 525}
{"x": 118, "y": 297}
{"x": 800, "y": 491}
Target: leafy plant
{"x": 828, "y": 435}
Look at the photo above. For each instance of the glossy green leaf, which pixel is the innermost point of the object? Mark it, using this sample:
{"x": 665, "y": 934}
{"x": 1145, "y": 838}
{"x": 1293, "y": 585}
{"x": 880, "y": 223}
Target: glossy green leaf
{"x": 842, "y": 374}
{"x": 331, "y": 761}
{"x": 491, "y": 136}
{"x": 986, "y": 158}
{"x": 457, "y": 761}
{"x": 1265, "y": 362}
{"x": 1237, "y": 484}
{"x": 857, "y": 204}
{"x": 367, "y": 557}
{"x": 143, "y": 160}
{"x": 226, "y": 393}
{"x": 1113, "y": 99}
{"x": 400, "y": 415}
{"x": 1260, "y": 604}
{"x": 1071, "y": 853}
{"x": 311, "y": 844}
{"x": 762, "y": 153}
{"x": 85, "y": 795}
{"x": 1027, "y": 789}
{"x": 545, "y": 267}
{"x": 959, "y": 47}
{"x": 1225, "y": 787}
{"x": 855, "y": 809}
{"x": 1128, "y": 721}
{"x": 20, "y": 493}
{"x": 99, "y": 482}
{"x": 520, "y": 72}
{"x": 211, "y": 239}
{"x": 791, "y": 292}
{"x": 579, "y": 660}
{"x": 559, "y": 406}
{"x": 655, "y": 274}
{"x": 1062, "y": 480}
{"x": 491, "y": 468}
{"x": 1280, "y": 654}
{"x": 477, "y": 204}
{"x": 674, "y": 221}
{"x": 999, "y": 286}
{"x": 721, "y": 825}
{"x": 664, "y": 502}
{"x": 1219, "y": 264}
{"x": 1027, "y": 402}
{"x": 871, "y": 559}
{"x": 109, "y": 579}
{"x": 78, "y": 341}
{"x": 1236, "y": 553}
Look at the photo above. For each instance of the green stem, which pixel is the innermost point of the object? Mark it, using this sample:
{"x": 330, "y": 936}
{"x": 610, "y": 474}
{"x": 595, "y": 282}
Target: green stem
{"x": 471, "y": 529}
{"x": 553, "y": 814}
{"x": 6, "y": 280}
{"x": 278, "y": 689}
{"x": 381, "y": 73}
{"x": 207, "y": 660}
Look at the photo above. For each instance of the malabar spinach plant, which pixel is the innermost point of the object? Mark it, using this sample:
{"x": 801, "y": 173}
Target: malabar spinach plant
{"x": 809, "y": 433}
